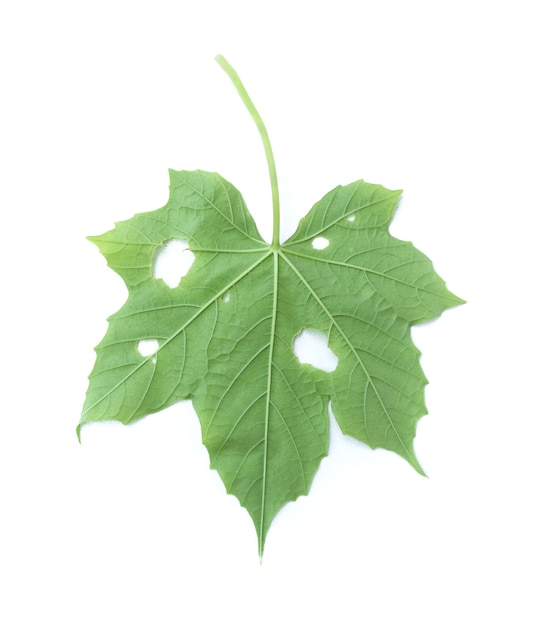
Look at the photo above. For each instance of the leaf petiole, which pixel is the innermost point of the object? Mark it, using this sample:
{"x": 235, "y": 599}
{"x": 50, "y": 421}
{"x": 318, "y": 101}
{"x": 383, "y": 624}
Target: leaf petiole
{"x": 275, "y": 243}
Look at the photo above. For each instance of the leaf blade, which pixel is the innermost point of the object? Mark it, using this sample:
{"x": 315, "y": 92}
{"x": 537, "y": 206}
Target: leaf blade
{"x": 225, "y": 334}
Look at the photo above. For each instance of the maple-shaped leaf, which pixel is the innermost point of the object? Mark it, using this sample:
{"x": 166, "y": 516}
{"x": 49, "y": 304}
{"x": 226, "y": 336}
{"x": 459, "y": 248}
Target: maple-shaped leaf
{"x": 224, "y": 336}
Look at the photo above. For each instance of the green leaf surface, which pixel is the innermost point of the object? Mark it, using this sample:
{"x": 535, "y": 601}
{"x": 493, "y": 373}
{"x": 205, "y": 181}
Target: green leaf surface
{"x": 225, "y": 334}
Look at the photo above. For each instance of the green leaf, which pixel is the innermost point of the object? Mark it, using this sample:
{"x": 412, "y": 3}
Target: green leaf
{"x": 224, "y": 336}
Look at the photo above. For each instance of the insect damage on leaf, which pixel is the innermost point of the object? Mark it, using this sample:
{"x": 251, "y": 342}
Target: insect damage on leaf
{"x": 223, "y": 332}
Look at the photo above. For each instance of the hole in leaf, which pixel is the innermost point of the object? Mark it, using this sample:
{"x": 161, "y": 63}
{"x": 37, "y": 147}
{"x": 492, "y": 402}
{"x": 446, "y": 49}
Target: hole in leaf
{"x": 350, "y": 218}
{"x": 319, "y": 243}
{"x": 172, "y": 262}
{"x": 310, "y": 346}
{"x": 147, "y": 347}
{"x": 226, "y": 297}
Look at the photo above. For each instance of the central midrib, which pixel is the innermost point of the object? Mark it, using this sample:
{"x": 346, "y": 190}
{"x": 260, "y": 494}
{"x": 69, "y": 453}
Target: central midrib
{"x": 268, "y": 403}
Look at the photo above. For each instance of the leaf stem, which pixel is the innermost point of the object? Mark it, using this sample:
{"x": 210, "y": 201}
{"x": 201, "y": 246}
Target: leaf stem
{"x": 275, "y": 244}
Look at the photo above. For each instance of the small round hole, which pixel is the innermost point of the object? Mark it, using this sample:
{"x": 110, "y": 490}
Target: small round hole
{"x": 319, "y": 243}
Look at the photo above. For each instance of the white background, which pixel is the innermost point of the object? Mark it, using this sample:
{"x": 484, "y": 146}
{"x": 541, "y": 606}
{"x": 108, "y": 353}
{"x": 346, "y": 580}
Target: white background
{"x": 452, "y": 101}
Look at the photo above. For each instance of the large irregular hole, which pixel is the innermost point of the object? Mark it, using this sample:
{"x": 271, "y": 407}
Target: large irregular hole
{"x": 147, "y": 347}
{"x": 172, "y": 262}
{"x": 319, "y": 243}
{"x": 310, "y": 346}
